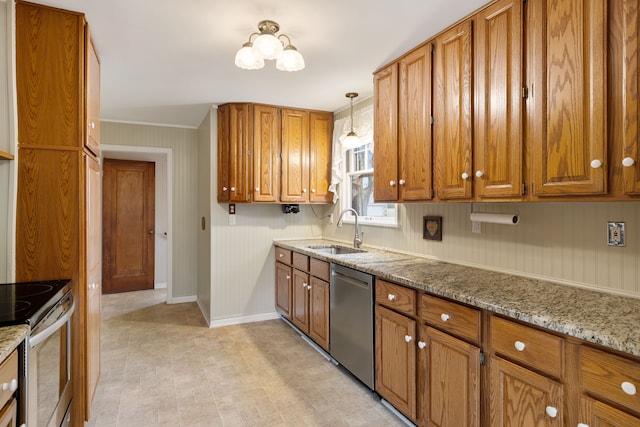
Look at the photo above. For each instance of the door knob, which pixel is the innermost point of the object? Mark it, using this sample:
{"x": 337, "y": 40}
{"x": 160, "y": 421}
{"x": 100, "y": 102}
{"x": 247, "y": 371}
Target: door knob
{"x": 150, "y": 231}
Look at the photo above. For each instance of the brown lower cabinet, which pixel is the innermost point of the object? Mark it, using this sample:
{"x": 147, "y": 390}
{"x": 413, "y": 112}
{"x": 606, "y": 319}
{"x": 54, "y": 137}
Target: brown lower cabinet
{"x": 446, "y": 364}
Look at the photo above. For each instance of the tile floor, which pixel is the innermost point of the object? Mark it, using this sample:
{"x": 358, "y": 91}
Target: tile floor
{"x": 162, "y": 366}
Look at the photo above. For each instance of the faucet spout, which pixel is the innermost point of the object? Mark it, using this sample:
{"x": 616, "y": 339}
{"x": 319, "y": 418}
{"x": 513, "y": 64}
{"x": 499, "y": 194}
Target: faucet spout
{"x": 357, "y": 239}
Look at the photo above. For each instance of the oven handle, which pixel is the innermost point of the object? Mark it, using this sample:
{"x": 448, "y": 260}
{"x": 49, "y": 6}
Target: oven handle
{"x": 34, "y": 340}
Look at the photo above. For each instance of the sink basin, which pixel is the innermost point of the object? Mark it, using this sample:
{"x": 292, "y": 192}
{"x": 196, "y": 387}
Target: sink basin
{"x": 337, "y": 250}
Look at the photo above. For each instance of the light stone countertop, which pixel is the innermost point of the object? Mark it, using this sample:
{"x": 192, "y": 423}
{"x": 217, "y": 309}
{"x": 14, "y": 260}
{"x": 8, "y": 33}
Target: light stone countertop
{"x": 10, "y": 338}
{"x": 598, "y": 317}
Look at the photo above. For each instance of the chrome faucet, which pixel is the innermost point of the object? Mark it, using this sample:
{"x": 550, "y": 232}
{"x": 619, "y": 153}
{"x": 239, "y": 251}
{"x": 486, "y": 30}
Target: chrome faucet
{"x": 357, "y": 239}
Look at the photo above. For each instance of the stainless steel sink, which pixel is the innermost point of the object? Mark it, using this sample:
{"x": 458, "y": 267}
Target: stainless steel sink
{"x": 336, "y": 250}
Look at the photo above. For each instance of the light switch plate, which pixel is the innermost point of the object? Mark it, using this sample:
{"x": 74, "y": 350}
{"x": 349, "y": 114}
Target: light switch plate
{"x": 615, "y": 234}
{"x": 476, "y": 227}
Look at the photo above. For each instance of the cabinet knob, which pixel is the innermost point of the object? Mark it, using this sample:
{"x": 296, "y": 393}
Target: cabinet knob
{"x": 92, "y": 125}
{"x": 408, "y": 338}
{"x": 583, "y": 425}
{"x": 304, "y": 285}
{"x": 233, "y": 188}
{"x": 444, "y": 317}
{"x": 11, "y": 385}
{"x": 304, "y": 190}
{"x": 313, "y": 190}
{"x": 465, "y": 175}
{"x": 551, "y": 411}
{"x": 309, "y": 287}
{"x": 519, "y": 345}
{"x": 392, "y": 183}
{"x": 281, "y": 255}
{"x": 288, "y": 277}
{"x": 422, "y": 344}
{"x": 224, "y": 188}
{"x": 479, "y": 174}
{"x": 627, "y": 162}
{"x": 628, "y": 388}
{"x": 391, "y": 297}
{"x": 257, "y": 189}
{"x": 595, "y": 164}
{"x": 401, "y": 182}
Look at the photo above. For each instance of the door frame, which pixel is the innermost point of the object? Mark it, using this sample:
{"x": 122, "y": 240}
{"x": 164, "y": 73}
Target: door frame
{"x": 163, "y": 159}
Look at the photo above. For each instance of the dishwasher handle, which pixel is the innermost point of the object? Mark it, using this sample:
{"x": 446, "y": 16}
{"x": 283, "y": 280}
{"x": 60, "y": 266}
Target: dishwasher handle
{"x": 350, "y": 280}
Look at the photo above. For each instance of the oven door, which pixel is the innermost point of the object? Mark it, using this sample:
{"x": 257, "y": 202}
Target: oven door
{"x": 49, "y": 366}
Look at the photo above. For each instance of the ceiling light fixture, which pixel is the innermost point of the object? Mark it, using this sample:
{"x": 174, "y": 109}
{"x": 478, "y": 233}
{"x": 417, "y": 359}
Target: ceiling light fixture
{"x": 351, "y": 140}
{"x": 268, "y": 45}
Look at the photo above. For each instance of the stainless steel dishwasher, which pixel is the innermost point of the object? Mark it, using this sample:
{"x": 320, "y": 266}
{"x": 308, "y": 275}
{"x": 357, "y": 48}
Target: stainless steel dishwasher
{"x": 351, "y": 321}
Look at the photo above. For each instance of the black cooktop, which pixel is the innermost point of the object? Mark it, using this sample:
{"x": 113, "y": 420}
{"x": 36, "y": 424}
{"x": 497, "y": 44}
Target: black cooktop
{"x": 28, "y": 302}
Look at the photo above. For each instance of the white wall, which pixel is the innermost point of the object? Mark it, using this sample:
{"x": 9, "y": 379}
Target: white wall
{"x": 183, "y": 173}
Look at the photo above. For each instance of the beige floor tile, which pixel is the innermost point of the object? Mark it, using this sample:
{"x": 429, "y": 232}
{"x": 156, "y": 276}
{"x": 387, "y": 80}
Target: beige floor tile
{"x": 162, "y": 366}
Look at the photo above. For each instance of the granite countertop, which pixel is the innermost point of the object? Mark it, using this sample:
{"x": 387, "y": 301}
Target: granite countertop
{"x": 597, "y": 317}
{"x": 10, "y": 338}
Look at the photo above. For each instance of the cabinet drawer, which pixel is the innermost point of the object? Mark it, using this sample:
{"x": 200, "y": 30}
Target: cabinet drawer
{"x": 451, "y": 317}
{"x": 396, "y": 297}
{"x": 283, "y": 255}
{"x": 529, "y": 346}
{"x": 9, "y": 376}
{"x": 300, "y": 261}
{"x": 610, "y": 376}
{"x": 319, "y": 269}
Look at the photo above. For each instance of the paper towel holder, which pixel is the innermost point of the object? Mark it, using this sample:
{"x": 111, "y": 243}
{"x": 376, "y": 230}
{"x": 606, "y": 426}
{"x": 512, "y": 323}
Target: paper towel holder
{"x": 494, "y": 218}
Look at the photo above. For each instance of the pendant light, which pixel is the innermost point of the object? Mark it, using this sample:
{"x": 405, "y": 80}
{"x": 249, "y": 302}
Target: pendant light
{"x": 351, "y": 140}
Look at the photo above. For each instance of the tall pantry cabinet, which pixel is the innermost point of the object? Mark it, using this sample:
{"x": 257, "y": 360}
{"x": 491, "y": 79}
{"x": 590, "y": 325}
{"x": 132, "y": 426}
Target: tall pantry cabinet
{"x": 58, "y": 231}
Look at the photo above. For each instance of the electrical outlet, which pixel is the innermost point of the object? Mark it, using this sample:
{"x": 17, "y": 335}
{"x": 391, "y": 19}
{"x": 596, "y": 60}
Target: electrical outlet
{"x": 615, "y": 234}
{"x": 476, "y": 227}
{"x": 330, "y": 218}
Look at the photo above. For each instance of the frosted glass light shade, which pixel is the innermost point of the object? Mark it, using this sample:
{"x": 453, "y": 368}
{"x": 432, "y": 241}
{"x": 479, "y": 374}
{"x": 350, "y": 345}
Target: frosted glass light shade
{"x": 246, "y": 58}
{"x": 290, "y": 60}
{"x": 267, "y": 46}
{"x": 351, "y": 141}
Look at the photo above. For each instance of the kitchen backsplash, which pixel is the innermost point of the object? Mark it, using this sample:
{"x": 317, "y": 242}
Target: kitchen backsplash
{"x": 565, "y": 242}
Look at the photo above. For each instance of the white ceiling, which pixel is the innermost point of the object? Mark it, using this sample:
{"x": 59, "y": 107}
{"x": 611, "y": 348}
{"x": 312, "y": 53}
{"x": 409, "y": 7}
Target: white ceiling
{"x": 167, "y": 61}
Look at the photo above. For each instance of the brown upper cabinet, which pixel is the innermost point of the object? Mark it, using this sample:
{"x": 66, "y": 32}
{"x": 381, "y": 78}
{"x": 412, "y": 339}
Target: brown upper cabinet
{"x": 403, "y": 96}
{"x": 567, "y": 100}
{"x": 270, "y": 154}
{"x": 453, "y": 115}
{"x": 92, "y": 70}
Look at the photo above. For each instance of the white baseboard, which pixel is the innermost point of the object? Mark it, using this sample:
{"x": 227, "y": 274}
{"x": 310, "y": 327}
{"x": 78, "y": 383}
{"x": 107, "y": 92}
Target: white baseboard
{"x": 160, "y": 285}
{"x": 180, "y": 300}
{"x": 202, "y": 311}
{"x": 243, "y": 319}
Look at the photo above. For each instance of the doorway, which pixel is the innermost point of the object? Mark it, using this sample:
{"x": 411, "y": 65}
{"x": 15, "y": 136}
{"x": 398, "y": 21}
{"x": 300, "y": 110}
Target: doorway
{"x": 128, "y": 225}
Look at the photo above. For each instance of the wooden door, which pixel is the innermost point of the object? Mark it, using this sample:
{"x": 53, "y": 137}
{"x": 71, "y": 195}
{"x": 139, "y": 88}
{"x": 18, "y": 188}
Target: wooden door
{"x": 567, "y": 105}
{"x": 295, "y": 156}
{"x": 630, "y": 156}
{"x": 453, "y": 115}
{"x": 283, "y": 289}
{"x": 93, "y": 250}
{"x": 320, "y": 148}
{"x": 414, "y": 133}
{"x": 597, "y": 414}
{"x": 319, "y": 312}
{"x": 450, "y": 377}
{"x": 521, "y": 398}
{"x": 498, "y": 140}
{"x": 385, "y": 161}
{"x": 396, "y": 360}
{"x": 300, "y": 300}
{"x": 128, "y": 225}
{"x": 92, "y": 72}
{"x": 266, "y": 150}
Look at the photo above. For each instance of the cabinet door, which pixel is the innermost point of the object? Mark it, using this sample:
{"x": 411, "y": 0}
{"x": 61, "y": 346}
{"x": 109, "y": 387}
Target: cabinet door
{"x": 320, "y": 148}
{"x": 300, "y": 301}
{"x": 597, "y": 414}
{"x": 450, "y": 376}
{"x": 520, "y": 397}
{"x": 224, "y": 152}
{"x": 319, "y": 312}
{"x": 567, "y": 110}
{"x": 266, "y": 146}
{"x": 239, "y": 158}
{"x": 93, "y": 250}
{"x": 92, "y": 71}
{"x": 385, "y": 161}
{"x": 414, "y": 138}
{"x": 498, "y": 140}
{"x": 453, "y": 127}
{"x": 283, "y": 289}
{"x": 396, "y": 360}
{"x": 9, "y": 414}
{"x": 295, "y": 156}
{"x": 630, "y": 157}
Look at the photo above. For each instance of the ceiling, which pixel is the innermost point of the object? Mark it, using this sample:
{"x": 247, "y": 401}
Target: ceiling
{"x": 168, "y": 63}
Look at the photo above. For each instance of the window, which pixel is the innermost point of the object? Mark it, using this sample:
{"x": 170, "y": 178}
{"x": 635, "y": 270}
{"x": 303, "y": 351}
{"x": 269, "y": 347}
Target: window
{"x": 358, "y": 191}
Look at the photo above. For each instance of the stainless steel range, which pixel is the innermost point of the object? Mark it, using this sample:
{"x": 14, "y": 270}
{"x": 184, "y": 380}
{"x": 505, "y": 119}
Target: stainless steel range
{"x": 45, "y": 384}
